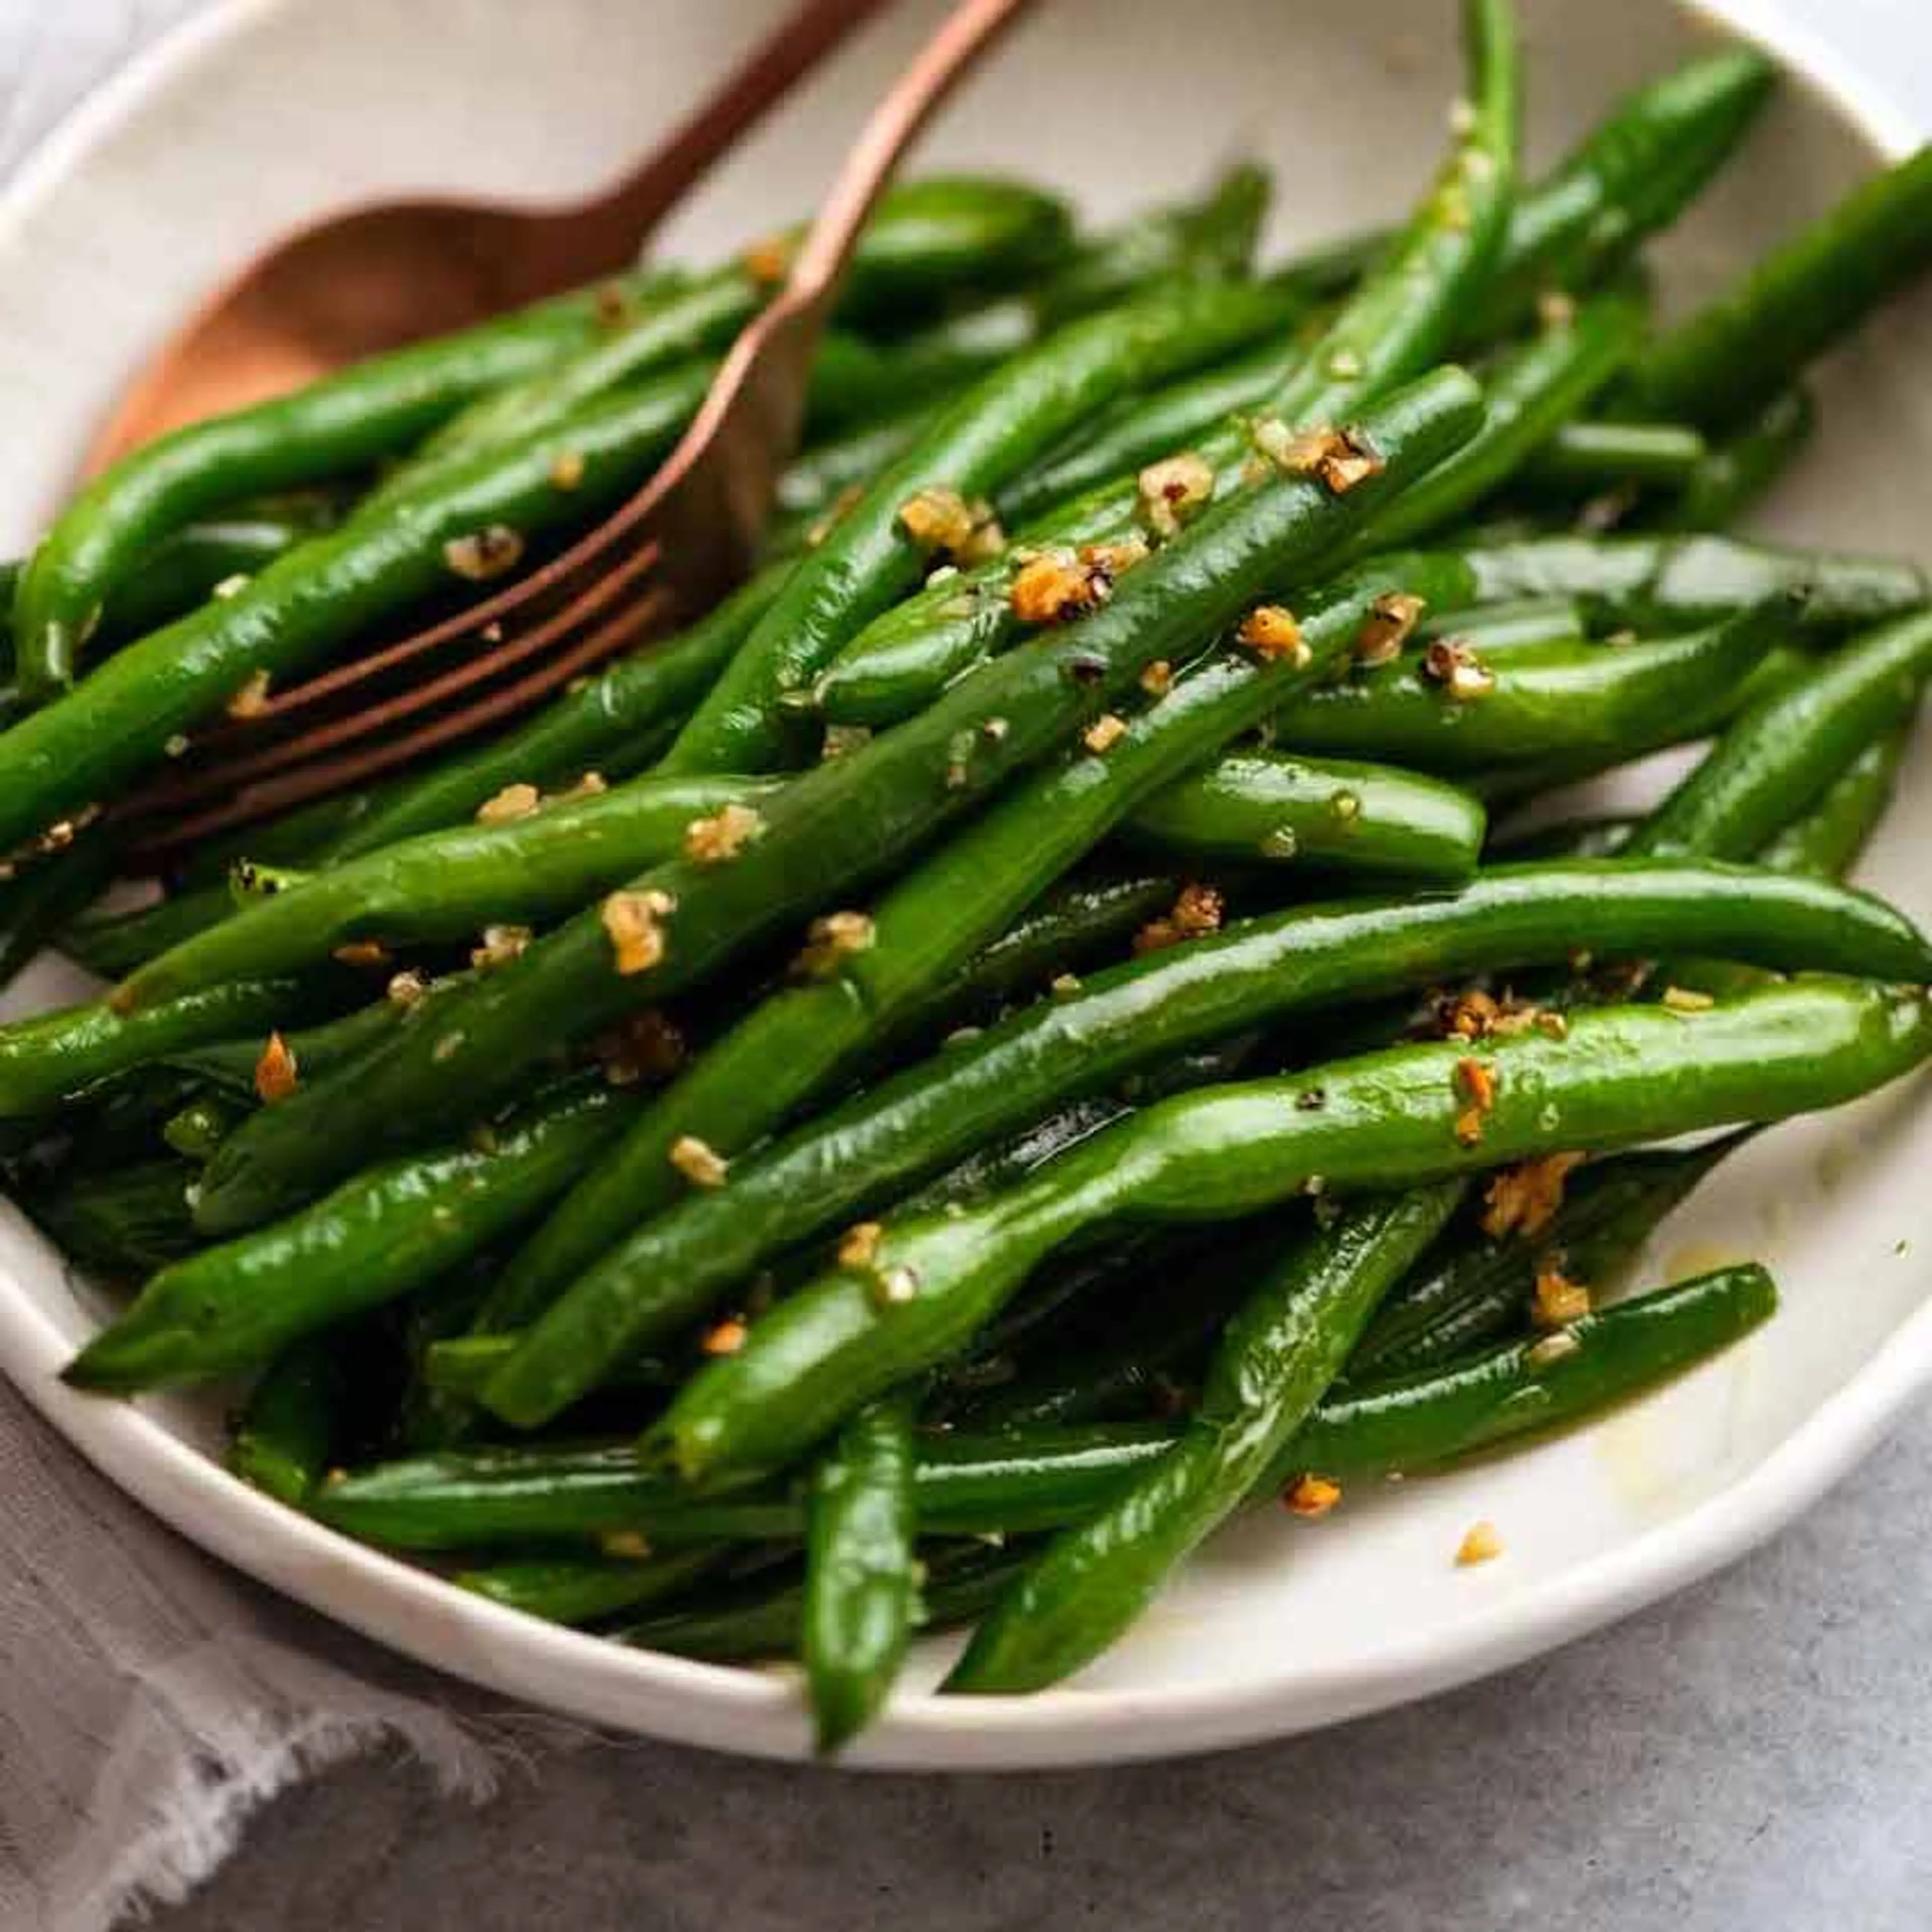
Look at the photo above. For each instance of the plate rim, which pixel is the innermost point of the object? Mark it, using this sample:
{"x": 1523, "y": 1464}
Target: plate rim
{"x": 758, "y": 1713}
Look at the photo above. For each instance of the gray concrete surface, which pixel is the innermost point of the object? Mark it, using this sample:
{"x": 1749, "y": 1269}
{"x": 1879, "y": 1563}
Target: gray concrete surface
{"x": 1752, "y": 1755}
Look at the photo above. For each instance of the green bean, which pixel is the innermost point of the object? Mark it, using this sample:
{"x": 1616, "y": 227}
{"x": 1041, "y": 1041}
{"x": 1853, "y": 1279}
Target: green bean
{"x": 1127, "y": 1368}
{"x": 1525, "y": 1388}
{"x": 1510, "y": 624}
{"x": 332, "y": 428}
{"x": 585, "y": 1590}
{"x": 929, "y": 239}
{"x": 1280, "y": 1355}
{"x": 188, "y": 565}
{"x": 107, "y": 731}
{"x": 1779, "y": 670}
{"x": 872, "y": 557}
{"x": 123, "y": 1222}
{"x": 583, "y": 730}
{"x": 1387, "y": 1120}
{"x": 767, "y": 1620}
{"x": 1399, "y": 320}
{"x": 1532, "y": 392}
{"x": 925, "y": 238}
{"x": 228, "y": 1063}
{"x": 1138, "y": 430}
{"x": 1738, "y": 471}
{"x": 1781, "y": 754}
{"x": 110, "y": 943}
{"x": 1633, "y": 174}
{"x": 459, "y": 1365}
{"x": 1016, "y": 1481}
{"x": 1661, "y": 584}
{"x": 1757, "y": 338}
{"x": 45, "y": 893}
{"x": 1826, "y": 842}
{"x": 1086, "y": 921}
{"x": 813, "y": 488}
{"x": 1557, "y": 703}
{"x": 198, "y": 1130}
{"x": 286, "y": 1441}
{"x": 861, "y": 1587}
{"x": 1214, "y": 235}
{"x": 49, "y": 1059}
{"x": 868, "y": 1150}
{"x": 392, "y": 1229}
{"x": 1468, "y": 1291}
{"x": 1573, "y": 230}
{"x": 449, "y": 885}
{"x": 1590, "y": 455}
{"x": 1366, "y": 820}
{"x": 849, "y": 821}
{"x": 926, "y": 927}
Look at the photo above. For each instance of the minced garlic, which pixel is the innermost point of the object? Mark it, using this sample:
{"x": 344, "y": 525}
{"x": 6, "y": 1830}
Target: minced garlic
{"x": 634, "y": 924}
{"x": 700, "y": 1162}
{"x": 722, "y": 836}
{"x": 277, "y": 1075}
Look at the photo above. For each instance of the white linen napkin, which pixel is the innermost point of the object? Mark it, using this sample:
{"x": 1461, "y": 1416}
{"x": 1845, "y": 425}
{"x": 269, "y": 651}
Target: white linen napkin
{"x": 151, "y": 1700}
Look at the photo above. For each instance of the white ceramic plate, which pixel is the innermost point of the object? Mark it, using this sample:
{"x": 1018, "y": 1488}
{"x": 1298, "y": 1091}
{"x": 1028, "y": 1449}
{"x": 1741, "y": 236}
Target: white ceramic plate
{"x": 264, "y": 112}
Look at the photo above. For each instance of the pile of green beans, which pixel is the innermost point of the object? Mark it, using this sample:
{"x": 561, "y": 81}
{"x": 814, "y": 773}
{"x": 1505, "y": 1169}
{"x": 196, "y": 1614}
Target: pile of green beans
{"x": 1032, "y": 1024}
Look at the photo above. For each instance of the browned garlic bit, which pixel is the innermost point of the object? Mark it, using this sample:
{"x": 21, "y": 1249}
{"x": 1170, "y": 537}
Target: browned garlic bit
{"x": 634, "y": 923}
{"x": 842, "y": 740}
{"x": 769, "y": 260}
{"x": 513, "y": 802}
{"x": 1684, "y": 1000}
{"x": 406, "y": 990}
{"x": 361, "y": 952}
{"x": 1273, "y": 631}
{"x": 276, "y": 1074}
{"x": 1311, "y": 1496}
{"x": 252, "y": 700}
{"x": 500, "y": 945}
{"x": 1197, "y": 911}
{"x": 1556, "y": 309}
{"x": 727, "y": 1338}
{"x": 1480, "y": 1544}
{"x": 859, "y": 1246}
{"x": 566, "y": 469}
{"x": 1157, "y": 680}
{"x": 721, "y": 837}
{"x": 1523, "y": 1016}
{"x": 1172, "y": 490}
{"x": 1467, "y": 1015}
{"x": 1454, "y": 665}
{"x": 627, "y": 1545}
{"x": 1054, "y": 585}
{"x": 943, "y": 522}
{"x": 1104, "y": 734}
{"x": 1524, "y": 1200}
{"x": 644, "y": 1046}
{"x": 485, "y": 553}
{"x": 613, "y": 304}
{"x": 831, "y": 941}
{"x": 1558, "y": 1300}
{"x": 1474, "y": 1083}
{"x": 700, "y": 1162}
{"x": 1333, "y": 455}
{"x": 1390, "y": 623}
